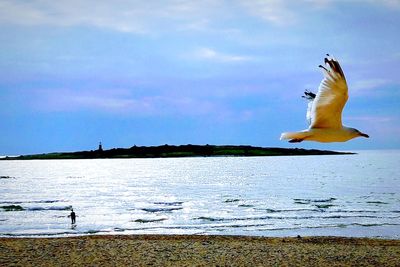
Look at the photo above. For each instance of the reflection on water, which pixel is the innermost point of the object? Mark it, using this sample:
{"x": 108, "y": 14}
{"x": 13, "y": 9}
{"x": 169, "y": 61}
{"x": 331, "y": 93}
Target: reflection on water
{"x": 346, "y": 195}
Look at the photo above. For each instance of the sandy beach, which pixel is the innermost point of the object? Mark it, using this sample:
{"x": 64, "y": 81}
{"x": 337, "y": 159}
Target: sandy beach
{"x": 187, "y": 250}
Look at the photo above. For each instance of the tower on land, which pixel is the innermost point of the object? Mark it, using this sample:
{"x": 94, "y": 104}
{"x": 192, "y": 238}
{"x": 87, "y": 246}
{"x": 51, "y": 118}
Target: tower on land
{"x": 100, "y": 147}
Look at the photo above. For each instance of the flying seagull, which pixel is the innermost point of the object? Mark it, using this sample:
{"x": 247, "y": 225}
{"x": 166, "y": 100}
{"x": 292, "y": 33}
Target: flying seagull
{"x": 324, "y": 112}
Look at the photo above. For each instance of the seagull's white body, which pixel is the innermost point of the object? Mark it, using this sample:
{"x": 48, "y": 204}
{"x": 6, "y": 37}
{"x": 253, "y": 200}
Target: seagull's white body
{"x": 324, "y": 113}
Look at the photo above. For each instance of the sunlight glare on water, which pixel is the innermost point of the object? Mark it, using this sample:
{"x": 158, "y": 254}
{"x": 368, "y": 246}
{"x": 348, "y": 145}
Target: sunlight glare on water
{"x": 343, "y": 195}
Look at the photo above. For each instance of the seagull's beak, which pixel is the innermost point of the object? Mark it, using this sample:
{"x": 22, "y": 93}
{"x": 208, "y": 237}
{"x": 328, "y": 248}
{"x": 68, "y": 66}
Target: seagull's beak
{"x": 364, "y": 135}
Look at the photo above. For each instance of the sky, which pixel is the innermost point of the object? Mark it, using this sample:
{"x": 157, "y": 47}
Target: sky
{"x": 126, "y": 73}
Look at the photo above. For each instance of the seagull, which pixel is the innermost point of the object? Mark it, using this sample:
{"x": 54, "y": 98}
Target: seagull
{"x": 324, "y": 111}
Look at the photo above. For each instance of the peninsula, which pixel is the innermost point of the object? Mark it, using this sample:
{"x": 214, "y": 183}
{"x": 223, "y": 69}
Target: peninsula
{"x": 168, "y": 151}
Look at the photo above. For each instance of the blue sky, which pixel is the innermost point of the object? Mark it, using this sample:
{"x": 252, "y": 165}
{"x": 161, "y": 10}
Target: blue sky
{"x": 74, "y": 73}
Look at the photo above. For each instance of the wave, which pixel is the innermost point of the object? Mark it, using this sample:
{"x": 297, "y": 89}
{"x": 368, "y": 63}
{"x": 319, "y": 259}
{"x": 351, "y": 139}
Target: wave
{"x": 310, "y": 201}
{"x": 150, "y": 220}
{"x": 32, "y": 201}
{"x": 12, "y": 208}
{"x": 319, "y": 208}
{"x": 175, "y": 203}
{"x": 269, "y": 225}
{"x": 324, "y": 206}
{"x": 363, "y": 211}
{"x": 6, "y": 177}
{"x": 50, "y": 208}
{"x": 161, "y": 209}
{"x": 341, "y": 225}
{"x": 336, "y": 210}
{"x": 286, "y": 210}
{"x": 230, "y": 200}
{"x": 240, "y": 225}
{"x": 219, "y": 219}
{"x": 57, "y": 234}
{"x": 259, "y": 227}
{"x": 377, "y": 202}
{"x": 373, "y": 224}
{"x": 209, "y": 219}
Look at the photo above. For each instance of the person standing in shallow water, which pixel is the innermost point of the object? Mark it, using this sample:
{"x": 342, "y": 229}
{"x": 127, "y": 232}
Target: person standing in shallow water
{"x": 73, "y": 216}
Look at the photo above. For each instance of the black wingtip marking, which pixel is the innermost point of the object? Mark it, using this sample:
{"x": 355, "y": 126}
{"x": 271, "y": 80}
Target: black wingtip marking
{"x": 322, "y": 67}
{"x": 330, "y": 63}
{"x": 338, "y": 68}
{"x": 309, "y": 95}
{"x": 333, "y": 64}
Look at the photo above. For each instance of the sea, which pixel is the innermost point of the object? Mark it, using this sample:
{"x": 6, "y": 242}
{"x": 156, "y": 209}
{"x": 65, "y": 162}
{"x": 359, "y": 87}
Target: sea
{"x": 334, "y": 195}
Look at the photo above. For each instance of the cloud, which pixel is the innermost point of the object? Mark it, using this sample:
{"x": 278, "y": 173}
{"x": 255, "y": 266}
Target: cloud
{"x": 72, "y": 13}
{"x": 121, "y": 102}
{"x": 370, "y": 84}
{"x": 388, "y": 3}
{"x": 100, "y": 100}
{"x": 319, "y": 3}
{"x": 132, "y": 16}
{"x": 135, "y": 16}
{"x": 211, "y": 54}
{"x": 288, "y": 12}
{"x": 273, "y": 11}
{"x": 141, "y": 17}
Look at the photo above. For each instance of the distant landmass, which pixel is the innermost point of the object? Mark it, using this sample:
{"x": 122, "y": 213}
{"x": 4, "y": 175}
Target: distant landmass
{"x": 169, "y": 151}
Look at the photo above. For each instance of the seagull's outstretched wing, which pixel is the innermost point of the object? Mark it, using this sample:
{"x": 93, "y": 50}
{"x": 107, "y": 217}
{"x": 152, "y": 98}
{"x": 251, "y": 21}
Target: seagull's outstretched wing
{"x": 326, "y": 109}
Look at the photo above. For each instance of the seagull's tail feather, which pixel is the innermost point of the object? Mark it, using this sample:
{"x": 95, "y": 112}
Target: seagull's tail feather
{"x": 294, "y": 137}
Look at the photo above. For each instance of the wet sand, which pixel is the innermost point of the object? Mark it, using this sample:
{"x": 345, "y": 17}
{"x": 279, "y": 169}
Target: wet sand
{"x": 189, "y": 250}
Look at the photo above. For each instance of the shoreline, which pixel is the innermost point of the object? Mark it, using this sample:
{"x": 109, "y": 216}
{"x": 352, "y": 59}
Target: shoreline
{"x": 194, "y": 236}
{"x": 197, "y": 250}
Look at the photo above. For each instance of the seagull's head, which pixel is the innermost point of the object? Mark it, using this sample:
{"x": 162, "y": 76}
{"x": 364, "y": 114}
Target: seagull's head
{"x": 357, "y": 133}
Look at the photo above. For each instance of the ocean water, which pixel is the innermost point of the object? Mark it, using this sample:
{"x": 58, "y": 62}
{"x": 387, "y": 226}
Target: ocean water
{"x": 340, "y": 195}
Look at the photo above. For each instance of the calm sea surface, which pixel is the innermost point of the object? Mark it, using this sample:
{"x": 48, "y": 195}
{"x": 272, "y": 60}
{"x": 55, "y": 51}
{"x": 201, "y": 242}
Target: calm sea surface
{"x": 341, "y": 195}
